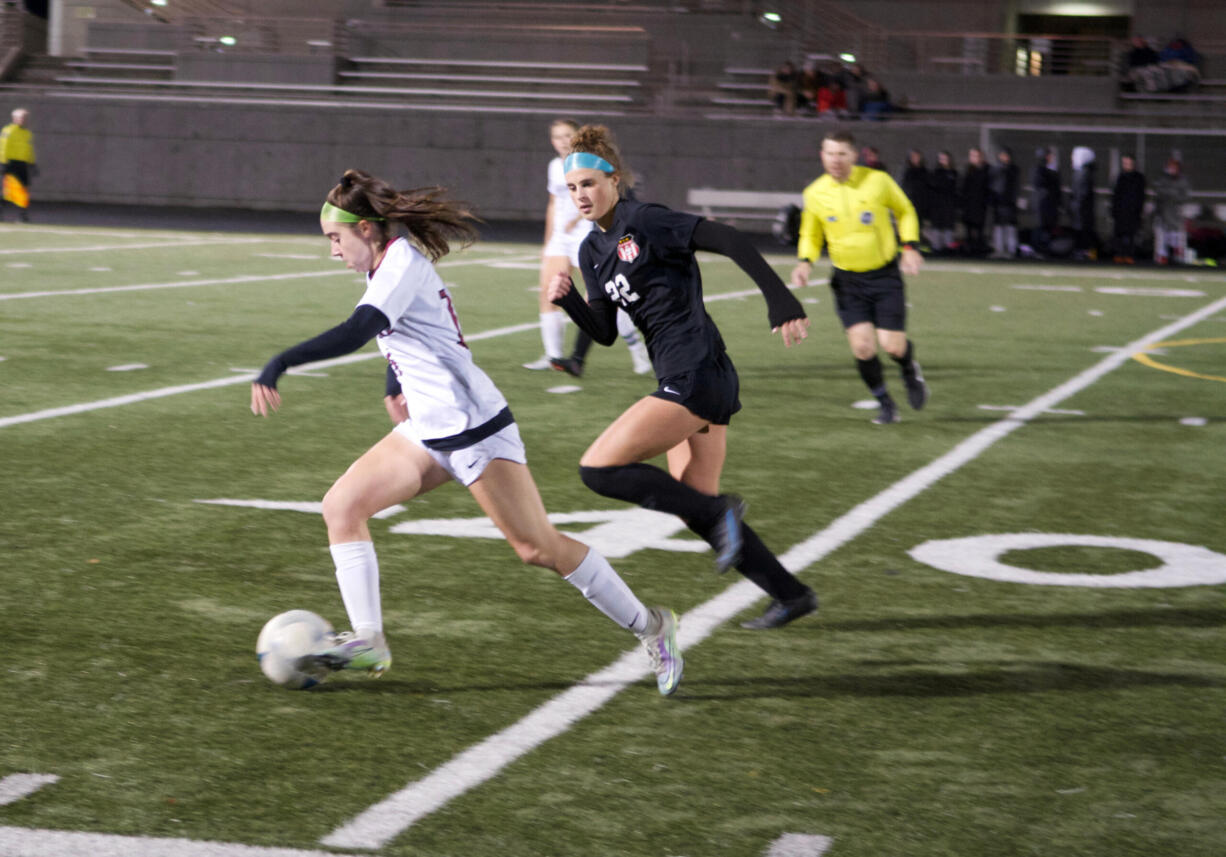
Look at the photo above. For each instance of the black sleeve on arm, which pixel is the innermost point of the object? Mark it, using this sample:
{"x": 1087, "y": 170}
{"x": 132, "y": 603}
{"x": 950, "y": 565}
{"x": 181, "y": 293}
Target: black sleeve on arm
{"x": 781, "y": 304}
{"x": 597, "y": 319}
{"x": 347, "y": 337}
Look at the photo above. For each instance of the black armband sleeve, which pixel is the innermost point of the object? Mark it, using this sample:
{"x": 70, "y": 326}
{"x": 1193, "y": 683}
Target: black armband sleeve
{"x": 597, "y": 319}
{"x": 347, "y": 337}
{"x": 781, "y": 304}
{"x": 393, "y": 383}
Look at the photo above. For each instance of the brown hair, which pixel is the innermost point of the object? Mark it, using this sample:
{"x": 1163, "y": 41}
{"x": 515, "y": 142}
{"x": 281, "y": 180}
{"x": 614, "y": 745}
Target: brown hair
{"x": 562, "y": 120}
{"x": 431, "y": 220}
{"x": 598, "y": 140}
{"x": 840, "y": 137}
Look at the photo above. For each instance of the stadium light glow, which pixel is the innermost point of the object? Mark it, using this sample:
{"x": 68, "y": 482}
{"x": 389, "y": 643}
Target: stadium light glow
{"x": 847, "y": 57}
{"x": 227, "y": 40}
{"x": 773, "y": 17}
{"x": 157, "y": 2}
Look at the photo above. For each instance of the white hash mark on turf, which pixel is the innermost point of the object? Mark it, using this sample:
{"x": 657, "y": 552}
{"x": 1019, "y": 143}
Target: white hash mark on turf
{"x": 127, "y": 367}
{"x": 799, "y": 845}
{"x": 22, "y": 842}
{"x": 387, "y": 819}
{"x": 16, "y": 786}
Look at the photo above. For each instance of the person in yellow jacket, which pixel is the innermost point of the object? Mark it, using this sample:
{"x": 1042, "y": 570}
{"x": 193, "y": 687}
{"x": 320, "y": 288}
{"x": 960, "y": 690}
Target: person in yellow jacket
{"x": 849, "y": 209}
{"x": 17, "y": 162}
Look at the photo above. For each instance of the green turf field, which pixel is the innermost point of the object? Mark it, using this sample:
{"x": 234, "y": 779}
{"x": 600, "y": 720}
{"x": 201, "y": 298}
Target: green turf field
{"x": 1059, "y": 693}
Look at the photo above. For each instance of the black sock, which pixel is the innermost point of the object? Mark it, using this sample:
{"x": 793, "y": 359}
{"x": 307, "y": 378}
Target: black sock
{"x": 907, "y": 357}
{"x": 870, "y": 371}
{"x": 652, "y": 488}
{"x": 583, "y": 344}
{"x": 764, "y": 569}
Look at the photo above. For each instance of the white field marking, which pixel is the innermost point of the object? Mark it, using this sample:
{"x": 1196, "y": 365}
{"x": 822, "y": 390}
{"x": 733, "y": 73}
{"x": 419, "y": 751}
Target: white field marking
{"x": 1048, "y": 411}
{"x": 21, "y": 842}
{"x": 150, "y": 245}
{"x": 1186, "y": 421}
{"x": 517, "y": 266}
{"x": 866, "y": 404}
{"x": 313, "y": 508}
{"x": 1047, "y": 288}
{"x": 799, "y": 845}
{"x": 106, "y": 233}
{"x": 228, "y": 381}
{"x": 127, "y": 367}
{"x": 19, "y": 265}
{"x": 997, "y": 309}
{"x": 308, "y": 256}
{"x": 188, "y": 273}
{"x": 387, "y": 819}
{"x": 100, "y": 270}
{"x": 16, "y": 786}
{"x": 1094, "y": 312}
{"x": 1149, "y": 292}
{"x": 563, "y": 389}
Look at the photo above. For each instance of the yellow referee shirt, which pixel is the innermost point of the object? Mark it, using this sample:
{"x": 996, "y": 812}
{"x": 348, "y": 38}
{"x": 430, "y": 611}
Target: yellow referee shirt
{"x": 853, "y": 218}
{"x": 16, "y": 144}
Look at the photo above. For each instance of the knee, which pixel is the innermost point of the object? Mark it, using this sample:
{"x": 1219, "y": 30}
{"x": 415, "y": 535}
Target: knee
{"x": 339, "y": 510}
{"x": 864, "y": 351}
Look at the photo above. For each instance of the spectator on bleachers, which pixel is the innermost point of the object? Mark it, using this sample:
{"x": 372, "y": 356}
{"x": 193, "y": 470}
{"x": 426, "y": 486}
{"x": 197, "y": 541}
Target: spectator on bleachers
{"x": 973, "y": 200}
{"x": 875, "y": 100}
{"x": 1045, "y": 196}
{"x": 784, "y": 86}
{"x": 1175, "y": 69}
{"x": 1170, "y": 234}
{"x": 1180, "y": 49}
{"x": 853, "y": 77}
{"x": 812, "y": 79}
{"x": 914, "y": 183}
{"x": 943, "y": 202}
{"x": 871, "y": 158}
{"x": 1003, "y": 189}
{"x": 1082, "y": 210}
{"x": 1127, "y": 207}
{"x": 1141, "y": 54}
{"x": 831, "y": 101}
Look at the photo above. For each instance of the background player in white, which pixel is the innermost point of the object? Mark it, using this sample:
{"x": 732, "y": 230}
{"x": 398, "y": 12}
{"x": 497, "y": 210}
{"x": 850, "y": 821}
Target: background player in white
{"x": 454, "y": 423}
{"x": 565, "y": 230}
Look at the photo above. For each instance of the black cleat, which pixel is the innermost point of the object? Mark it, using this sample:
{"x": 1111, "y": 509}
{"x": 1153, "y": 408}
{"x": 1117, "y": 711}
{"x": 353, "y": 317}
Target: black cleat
{"x": 569, "y": 365}
{"x": 779, "y": 613}
{"x": 917, "y": 388}
{"x": 729, "y": 539}
{"x": 889, "y": 413}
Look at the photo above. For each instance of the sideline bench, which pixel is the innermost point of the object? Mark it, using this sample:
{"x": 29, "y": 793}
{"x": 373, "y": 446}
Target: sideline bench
{"x": 740, "y": 204}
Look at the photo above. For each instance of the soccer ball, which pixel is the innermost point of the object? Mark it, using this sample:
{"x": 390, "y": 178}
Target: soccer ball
{"x": 284, "y": 639}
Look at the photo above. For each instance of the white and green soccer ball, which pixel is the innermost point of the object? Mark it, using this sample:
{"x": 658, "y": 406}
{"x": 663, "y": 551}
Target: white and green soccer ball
{"x": 284, "y": 639}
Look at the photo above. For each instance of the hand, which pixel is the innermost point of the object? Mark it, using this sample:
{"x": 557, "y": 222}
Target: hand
{"x": 558, "y": 286}
{"x": 793, "y": 331}
{"x": 800, "y": 275}
{"x": 911, "y": 261}
{"x": 264, "y": 399}
{"x": 397, "y": 408}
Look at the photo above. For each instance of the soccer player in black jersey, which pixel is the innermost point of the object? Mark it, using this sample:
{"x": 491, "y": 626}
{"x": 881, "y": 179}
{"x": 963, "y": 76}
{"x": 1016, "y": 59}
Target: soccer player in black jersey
{"x": 641, "y": 258}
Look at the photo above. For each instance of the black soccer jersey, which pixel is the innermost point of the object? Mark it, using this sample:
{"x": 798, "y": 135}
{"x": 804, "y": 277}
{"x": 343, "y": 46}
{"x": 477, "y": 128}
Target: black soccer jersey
{"x": 644, "y": 263}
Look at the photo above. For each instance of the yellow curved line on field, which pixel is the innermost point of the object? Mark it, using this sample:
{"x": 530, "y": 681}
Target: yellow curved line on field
{"x": 1142, "y": 357}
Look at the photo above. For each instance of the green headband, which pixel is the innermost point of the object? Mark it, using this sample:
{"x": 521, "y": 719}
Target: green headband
{"x": 331, "y": 214}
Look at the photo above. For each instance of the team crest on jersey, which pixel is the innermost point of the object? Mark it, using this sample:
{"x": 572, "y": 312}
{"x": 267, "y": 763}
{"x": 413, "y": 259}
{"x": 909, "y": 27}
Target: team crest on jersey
{"x": 866, "y": 217}
{"x": 832, "y": 219}
{"x": 627, "y": 250}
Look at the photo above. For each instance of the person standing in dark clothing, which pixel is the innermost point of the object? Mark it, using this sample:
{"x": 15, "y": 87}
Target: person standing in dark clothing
{"x": 973, "y": 200}
{"x": 1045, "y": 190}
{"x": 1002, "y": 196}
{"x": 914, "y": 183}
{"x": 943, "y": 202}
{"x": 1081, "y": 204}
{"x": 1127, "y": 205}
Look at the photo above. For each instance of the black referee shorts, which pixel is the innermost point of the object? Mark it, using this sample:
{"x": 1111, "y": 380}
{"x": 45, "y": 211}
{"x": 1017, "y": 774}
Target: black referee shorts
{"x": 710, "y": 391}
{"x": 875, "y": 296}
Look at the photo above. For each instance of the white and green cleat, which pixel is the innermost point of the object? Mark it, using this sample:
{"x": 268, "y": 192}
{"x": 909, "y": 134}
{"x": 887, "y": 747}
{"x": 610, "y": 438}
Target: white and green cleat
{"x": 347, "y": 650}
{"x": 660, "y": 641}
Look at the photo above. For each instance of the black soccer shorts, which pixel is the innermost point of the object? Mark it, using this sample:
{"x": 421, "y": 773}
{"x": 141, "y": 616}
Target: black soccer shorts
{"x": 875, "y": 296}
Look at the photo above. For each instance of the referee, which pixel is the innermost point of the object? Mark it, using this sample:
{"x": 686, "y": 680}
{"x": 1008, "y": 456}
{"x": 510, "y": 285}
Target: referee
{"x": 849, "y": 209}
{"x": 17, "y": 163}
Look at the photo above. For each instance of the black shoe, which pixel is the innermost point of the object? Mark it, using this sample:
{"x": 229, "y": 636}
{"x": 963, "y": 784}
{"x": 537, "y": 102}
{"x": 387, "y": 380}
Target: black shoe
{"x": 917, "y": 388}
{"x": 779, "y": 613}
{"x": 728, "y": 537}
{"x": 569, "y": 365}
{"x": 889, "y": 412}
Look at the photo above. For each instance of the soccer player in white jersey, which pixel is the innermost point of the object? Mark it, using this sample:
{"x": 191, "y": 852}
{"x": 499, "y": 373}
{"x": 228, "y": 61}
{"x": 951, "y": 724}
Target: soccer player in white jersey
{"x": 451, "y": 422}
{"x": 565, "y": 230}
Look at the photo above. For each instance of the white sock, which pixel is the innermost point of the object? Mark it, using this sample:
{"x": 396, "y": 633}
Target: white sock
{"x": 552, "y": 324}
{"x": 626, "y": 328}
{"x": 357, "y": 574}
{"x": 604, "y": 587}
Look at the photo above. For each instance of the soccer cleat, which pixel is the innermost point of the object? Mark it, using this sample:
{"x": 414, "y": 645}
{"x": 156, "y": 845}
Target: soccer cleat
{"x": 348, "y": 651}
{"x": 779, "y": 613}
{"x": 542, "y": 362}
{"x": 888, "y": 414}
{"x": 569, "y": 365}
{"x": 728, "y": 537}
{"x": 661, "y": 646}
{"x": 917, "y": 387}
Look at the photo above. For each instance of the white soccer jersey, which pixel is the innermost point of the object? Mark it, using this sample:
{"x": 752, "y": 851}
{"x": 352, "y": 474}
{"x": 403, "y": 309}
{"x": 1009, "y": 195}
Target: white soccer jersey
{"x": 445, "y": 391}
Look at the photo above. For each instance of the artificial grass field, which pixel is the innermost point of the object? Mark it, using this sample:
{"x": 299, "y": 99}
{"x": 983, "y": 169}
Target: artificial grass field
{"x": 921, "y": 713}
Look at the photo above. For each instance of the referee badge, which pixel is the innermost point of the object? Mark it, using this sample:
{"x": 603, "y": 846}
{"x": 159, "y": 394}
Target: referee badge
{"x": 627, "y": 250}
{"x": 866, "y": 217}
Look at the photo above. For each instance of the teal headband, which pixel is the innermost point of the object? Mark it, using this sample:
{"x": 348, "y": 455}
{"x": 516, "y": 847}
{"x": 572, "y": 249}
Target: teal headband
{"x": 331, "y": 214}
{"x": 586, "y": 161}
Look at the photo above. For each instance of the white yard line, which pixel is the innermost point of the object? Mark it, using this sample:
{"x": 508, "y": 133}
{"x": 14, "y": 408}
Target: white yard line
{"x": 152, "y": 245}
{"x": 390, "y": 817}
